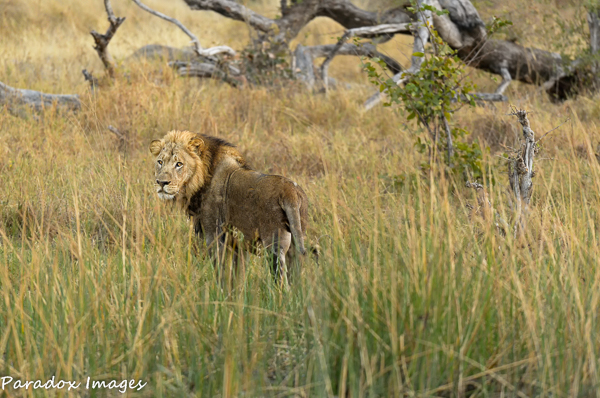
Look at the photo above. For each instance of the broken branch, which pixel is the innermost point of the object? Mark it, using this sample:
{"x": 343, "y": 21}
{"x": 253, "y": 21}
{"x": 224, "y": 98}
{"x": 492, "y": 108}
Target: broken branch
{"x": 360, "y": 32}
{"x": 102, "y": 40}
{"x": 209, "y": 52}
{"x": 521, "y": 172}
{"x": 421, "y": 38}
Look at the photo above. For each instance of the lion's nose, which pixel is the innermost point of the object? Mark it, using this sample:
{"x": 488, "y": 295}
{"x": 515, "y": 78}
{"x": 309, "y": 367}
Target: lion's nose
{"x": 163, "y": 183}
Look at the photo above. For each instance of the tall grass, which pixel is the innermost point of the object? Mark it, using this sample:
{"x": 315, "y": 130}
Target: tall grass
{"x": 413, "y": 294}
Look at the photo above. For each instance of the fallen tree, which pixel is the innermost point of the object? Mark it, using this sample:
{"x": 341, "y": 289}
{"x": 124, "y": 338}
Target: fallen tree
{"x": 14, "y": 98}
{"x": 462, "y": 28}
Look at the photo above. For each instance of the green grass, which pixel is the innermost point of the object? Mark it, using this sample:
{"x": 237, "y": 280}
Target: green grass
{"x": 412, "y": 295}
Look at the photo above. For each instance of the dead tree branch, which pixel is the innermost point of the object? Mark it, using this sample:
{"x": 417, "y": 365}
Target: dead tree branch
{"x": 359, "y": 32}
{"x": 204, "y": 70}
{"x": 304, "y": 56}
{"x": 209, "y": 52}
{"x": 462, "y": 29}
{"x": 102, "y": 40}
{"x": 37, "y": 100}
{"x": 521, "y": 171}
{"x": 421, "y": 34}
{"x": 506, "y": 79}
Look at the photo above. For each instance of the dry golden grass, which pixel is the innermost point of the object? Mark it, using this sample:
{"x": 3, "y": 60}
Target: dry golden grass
{"x": 411, "y": 296}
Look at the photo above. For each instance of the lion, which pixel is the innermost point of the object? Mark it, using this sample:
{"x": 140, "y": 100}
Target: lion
{"x": 209, "y": 179}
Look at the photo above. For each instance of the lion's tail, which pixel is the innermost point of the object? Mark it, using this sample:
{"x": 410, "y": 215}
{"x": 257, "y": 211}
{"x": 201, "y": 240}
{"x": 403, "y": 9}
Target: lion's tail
{"x": 292, "y": 211}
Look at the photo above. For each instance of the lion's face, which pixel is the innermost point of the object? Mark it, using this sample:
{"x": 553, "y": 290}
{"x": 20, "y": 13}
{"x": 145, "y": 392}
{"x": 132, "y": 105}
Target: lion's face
{"x": 177, "y": 167}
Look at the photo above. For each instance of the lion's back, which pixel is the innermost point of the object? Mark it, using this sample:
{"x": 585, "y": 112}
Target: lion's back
{"x": 255, "y": 202}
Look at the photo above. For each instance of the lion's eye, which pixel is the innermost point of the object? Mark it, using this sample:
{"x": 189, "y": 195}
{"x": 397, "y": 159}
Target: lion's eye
{"x": 160, "y": 162}
{"x": 178, "y": 164}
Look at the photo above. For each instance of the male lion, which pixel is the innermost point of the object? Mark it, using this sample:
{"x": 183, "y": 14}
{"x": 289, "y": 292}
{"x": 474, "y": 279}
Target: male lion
{"x": 210, "y": 180}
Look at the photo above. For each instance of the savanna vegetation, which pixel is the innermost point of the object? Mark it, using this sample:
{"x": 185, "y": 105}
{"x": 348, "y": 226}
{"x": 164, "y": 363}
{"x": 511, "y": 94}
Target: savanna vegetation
{"x": 414, "y": 294}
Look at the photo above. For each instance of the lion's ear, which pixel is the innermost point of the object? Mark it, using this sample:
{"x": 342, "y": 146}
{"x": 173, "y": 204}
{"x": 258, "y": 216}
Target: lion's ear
{"x": 156, "y": 146}
{"x": 196, "y": 145}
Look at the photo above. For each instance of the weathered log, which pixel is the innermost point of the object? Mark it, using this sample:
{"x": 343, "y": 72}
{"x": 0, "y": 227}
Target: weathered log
{"x": 204, "y": 70}
{"x": 37, "y": 100}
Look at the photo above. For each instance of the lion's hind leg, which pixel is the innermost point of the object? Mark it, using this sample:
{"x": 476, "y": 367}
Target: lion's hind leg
{"x": 282, "y": 241}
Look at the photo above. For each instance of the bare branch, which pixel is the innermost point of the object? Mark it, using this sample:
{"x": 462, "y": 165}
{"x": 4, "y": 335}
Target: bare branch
{"x": 555, "y": 128}
{"x": 102, "y": 40}
{"x": 421, "y": 38}
{"x": 363, "y": 50}
{"x": 116, "y": 132}
{"x": 448, "y": 138}
{"x": 210, "y": 52}
{"x": 489, "y": 97}
{"x": 360, "y": 32}
{"x": 506, "y": 79}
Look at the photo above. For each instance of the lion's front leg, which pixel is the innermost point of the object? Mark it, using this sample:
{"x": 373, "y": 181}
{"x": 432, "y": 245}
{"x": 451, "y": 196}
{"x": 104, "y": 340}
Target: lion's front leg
{"x": 225, "y": 253}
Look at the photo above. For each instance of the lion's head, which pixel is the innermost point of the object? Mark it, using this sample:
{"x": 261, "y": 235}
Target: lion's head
{"x": 180, "y": 168}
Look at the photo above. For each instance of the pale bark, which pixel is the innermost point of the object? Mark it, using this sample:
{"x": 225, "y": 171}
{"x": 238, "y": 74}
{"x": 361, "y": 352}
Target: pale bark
{"x": 37, "y": 100}
{"x": 205, "y": 70}
{"x": 521, "y": 171}
{"x": 359, "y": 32}
{"x": 421, "y": 34}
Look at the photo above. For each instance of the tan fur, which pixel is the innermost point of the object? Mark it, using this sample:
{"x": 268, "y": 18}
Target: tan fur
{"x": 210, "y": 180}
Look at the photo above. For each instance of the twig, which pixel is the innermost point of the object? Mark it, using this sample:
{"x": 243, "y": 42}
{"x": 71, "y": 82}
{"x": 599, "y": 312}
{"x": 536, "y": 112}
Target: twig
{"x": 542, "y": 137}
{"x": 502, "y": 157}
{"x": 116, "y": 132}
{"x": 210, "y": 52}
{"x": 90, "y": 78}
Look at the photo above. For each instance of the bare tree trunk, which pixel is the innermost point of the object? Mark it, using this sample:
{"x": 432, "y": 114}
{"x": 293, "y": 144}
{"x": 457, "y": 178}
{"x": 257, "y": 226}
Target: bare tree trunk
{"x": 594, "y": 25}
{"x": 521, "y": 171}
{"x": 102, "y": 40}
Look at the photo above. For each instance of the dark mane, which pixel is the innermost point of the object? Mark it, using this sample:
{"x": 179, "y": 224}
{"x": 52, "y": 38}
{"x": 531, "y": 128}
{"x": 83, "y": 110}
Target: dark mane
{"x": 217, "y": 142}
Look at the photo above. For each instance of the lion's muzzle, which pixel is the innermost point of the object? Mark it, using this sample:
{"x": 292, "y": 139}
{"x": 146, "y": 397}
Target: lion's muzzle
{"x": 164, "y": 190}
